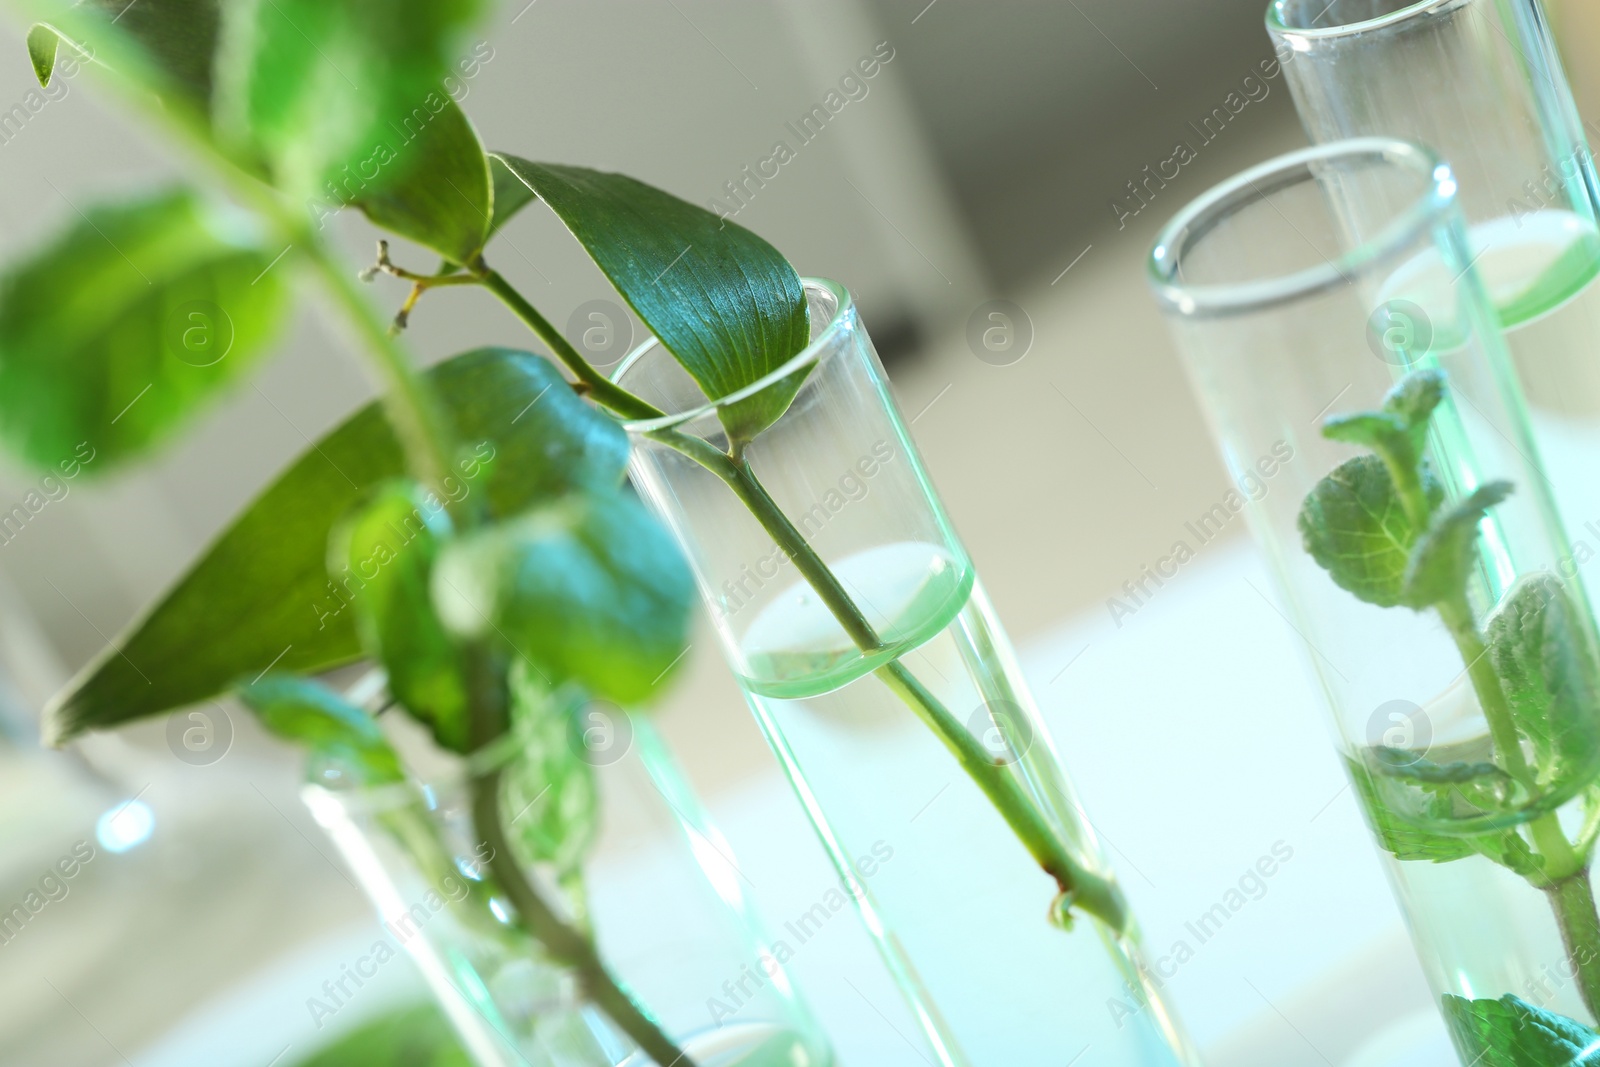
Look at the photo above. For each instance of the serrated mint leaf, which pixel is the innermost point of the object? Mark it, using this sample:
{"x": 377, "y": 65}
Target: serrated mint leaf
{"x": 723, "y": 301}
{"x": 1415, "y": 397}
{"x": 1396, "y": 834}
{"x": 1443, "y": 557}
{"x": 341, "y": 736}
{"x": 551, "y": 800}
{"x": 1540, "y": 646}
{"x": 588, "y": 589}
{"x": 1354, "y": 525}
{"x": 1510, "y": 1032}
{"x": 389, "y": 547}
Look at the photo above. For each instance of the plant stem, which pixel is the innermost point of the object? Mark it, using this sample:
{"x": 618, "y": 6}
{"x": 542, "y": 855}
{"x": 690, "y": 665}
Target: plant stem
{"x": 1097, "y": 895}
{"x": 1566, "y": 870}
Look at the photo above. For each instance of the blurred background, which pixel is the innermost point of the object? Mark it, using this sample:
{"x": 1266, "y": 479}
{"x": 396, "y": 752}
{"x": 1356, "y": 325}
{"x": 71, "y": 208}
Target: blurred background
{"x": 1001, "y": 154}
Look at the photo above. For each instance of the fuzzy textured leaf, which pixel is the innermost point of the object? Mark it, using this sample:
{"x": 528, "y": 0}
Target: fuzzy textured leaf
{"x": 1398, "y": 836}
{"x": 261, "y": 595}
{"x": 725, "y": 303}
{"x": 1398, "y": 432}
{"x": 122, "y": 327}
{"x": 389, "y": 546}
{"x": 339, "y": 735}
{"x": 1510, "y": 1032}
{"x": 1354, "y": 526}
{"x": 1540, "y": 645}
{"x": 1443, "y": 557}
{"x": 588, "y": 589}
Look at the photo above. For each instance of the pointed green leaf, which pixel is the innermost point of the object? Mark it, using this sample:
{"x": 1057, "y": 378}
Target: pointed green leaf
{"x": 1354, "y": 526}
{"x": 330, "y": 92}
{"x": 437, "y": 191}
{"x": 1540, "y": 646}
{"x": 588, "y": 589}
{"x": 551, "y": 797}
{"x": 722, "y": 300}
{"x": 511, "y": 193}
{"x": 262, "y": 596}
{"x": 1396, "y": 834}
{"x": 1443, "y": 557}
{"x": 126, "y": 324}
{"x": 1510, "y": 1032}
{"x": 387, "y": 551}
{"x": 340, "y": 736}
{"x": 42, "y": 45}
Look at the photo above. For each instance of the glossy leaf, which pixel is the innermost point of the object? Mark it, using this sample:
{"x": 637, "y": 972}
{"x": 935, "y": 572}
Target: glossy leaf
{"x": 1540, "y": 647}
{"x": 122, "y": 327}
{"x": 1510, "y": 1032}
{"x": 511, "y": 193}
{"x": 588, "y": 589}
{"x": 387, "y": 550}
{"x": 340, "y": 735}
{"x": 437, "y": 190}
{"x": 329, "y": 93}
{"x": 1398, "y": 836}
{"x": 551, "y": 800}
{"x": 262, "y": 596}
{"x": 725, "y": 303}
{"x": 1354, "y": 526}
{"x": 1443, "y": 557}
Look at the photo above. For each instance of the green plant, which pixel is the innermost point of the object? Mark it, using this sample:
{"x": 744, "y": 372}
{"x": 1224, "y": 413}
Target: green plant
{"x": 1380, "y": 526}
{"x": 472, "y": 536}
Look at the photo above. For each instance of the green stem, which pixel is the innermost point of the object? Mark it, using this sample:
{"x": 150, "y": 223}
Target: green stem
{"x": 1566, "y": 872}
{"x": 1572, "y": 900}
{"x": 1077, "y": 885}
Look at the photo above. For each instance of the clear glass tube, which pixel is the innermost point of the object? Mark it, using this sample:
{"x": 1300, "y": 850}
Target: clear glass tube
{"x": 852, "y": 618}
{"x": 1482, "y": 800}
{"x": 1480, "y": 83}
{"x": 673, "y": 926}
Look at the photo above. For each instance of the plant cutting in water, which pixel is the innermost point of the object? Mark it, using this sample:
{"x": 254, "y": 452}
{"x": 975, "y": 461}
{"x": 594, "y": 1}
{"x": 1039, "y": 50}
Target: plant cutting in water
{"x": 472, "y": 536}
{"x": 1380, "y": 526}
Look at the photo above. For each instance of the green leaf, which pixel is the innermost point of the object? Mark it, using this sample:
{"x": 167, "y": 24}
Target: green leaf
{"x": 390, "y": 546}
{"x": 1414, "y": 399}
{"x": 722, "y": 300}
{"x": 1510, "y": 1032}
{"x": 438, "y": 191}
{"x": 179, "y": 36}
{"x": 1540, "y": 647}
{"x": 1443, "y": 557}
{"x": 1395, "y": 833}
{"x": 1354, "y": 526}
{"x": 42, "y": 44}
{"x": 331, "y": 92}
{"x": 413, "y": 1037}
{"x": 261, "y": 594}
{"x": 511, "y": 193}
{"x": 340, "y": 735}
{"x": 550, "y": 798}
{"x": 1398, "y": 432}
{"x": 588, "y": 589}
{"x": 123, "y": 326}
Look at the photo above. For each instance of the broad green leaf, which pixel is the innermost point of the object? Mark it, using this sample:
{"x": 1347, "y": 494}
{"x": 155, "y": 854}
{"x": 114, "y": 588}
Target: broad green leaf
{"x": 42, "y": 44}
{"x": 124, "y": 325}
{"x": 412, "y": 1037}
{"x": 1510, "y": 1032}
{"x": 588, "y": 589}
{"x": 179, "y": 36}
{"x": 1443, "y": 557}
{"x": 340, "y": 735}
{"x": 511, "y": 193}
{"x": 1398, "y": 835}
{"x": 723, "y": 301}
{"x": 261, "y": 595}
{"x": 1540, "y": 645}
{"x": 330, "y": 93}
{"x": 388, "y": 548}
{"x": 437, "y": 190}
{"x": 550, "y": 796}
{"x": 1354, "y": 526}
